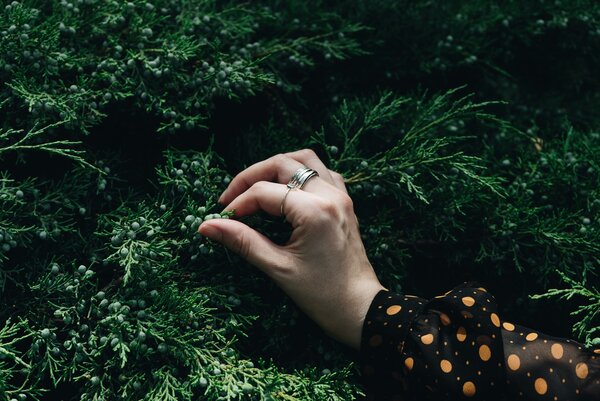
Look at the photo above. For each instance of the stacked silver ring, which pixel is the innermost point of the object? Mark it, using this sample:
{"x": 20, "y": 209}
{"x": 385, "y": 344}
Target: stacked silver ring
{"x": 300, "y": 177}
{"x": 297, "y": 181}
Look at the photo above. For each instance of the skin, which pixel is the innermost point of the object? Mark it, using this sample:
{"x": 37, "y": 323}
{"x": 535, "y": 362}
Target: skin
{"x": 323, "y": 267}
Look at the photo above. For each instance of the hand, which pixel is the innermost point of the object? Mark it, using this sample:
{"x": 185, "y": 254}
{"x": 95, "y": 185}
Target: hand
{"x": 323, "y": 267}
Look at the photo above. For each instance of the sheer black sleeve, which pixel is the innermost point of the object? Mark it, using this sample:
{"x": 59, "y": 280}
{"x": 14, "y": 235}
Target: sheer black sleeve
{"x": 456, "y": 346}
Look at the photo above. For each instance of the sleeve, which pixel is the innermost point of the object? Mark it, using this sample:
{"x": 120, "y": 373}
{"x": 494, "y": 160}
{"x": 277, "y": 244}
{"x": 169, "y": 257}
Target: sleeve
{"x": 455, "y": 346}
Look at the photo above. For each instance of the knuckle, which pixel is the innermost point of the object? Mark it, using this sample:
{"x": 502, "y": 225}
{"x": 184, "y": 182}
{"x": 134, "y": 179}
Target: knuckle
{"x": 279, "y": 159}
{"x": 308, "y": 153}
{"x": 259, "y": 186}
{"x": 336, "y": 176}
{"x": 347, "y": 204}
{"x": 336, "y": 212}
{"x": 329, "y": 208}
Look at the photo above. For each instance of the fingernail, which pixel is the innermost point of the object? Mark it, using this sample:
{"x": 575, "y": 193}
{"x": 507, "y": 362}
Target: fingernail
{"x": 221, "y": 198}
{"x": 210, "y": 231}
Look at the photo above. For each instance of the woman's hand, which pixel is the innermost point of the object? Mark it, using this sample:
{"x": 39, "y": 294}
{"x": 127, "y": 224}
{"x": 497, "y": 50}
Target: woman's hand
{"x": 323, "y": 267}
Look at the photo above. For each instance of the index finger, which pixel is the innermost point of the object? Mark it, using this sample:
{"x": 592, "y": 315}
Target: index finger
{"x": 268, "y": 197}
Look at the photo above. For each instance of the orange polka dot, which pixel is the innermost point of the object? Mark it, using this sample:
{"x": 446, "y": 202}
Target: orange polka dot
{"x": 495, "y": 320}
{"x": 557, "y": 351}
{"x": 581, "y": 370}
{"x": 513, "y": 362}
{"x": 392, "y": 310}
{"x": 409, "y": 363}
{"x": 597, "y": 351}
{"x": 461, "y": 334}
{"x": 376, "y": 340}
{"x": 508, "y": 326}
{"x": 468, "y": 301}
{"x": 485, "y": 353}
{"x": 531, "y": 336}
{"x": 446, "y": 366}
{"x": 541, "y": 387}
{"x": 469, "y": 389}
{"x": 427, "y": 339}
{"x": 444, "y": 319}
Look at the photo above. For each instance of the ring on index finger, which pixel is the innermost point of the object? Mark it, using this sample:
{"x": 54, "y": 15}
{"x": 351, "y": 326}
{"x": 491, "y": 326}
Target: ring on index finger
{"x": 283, "y": 200}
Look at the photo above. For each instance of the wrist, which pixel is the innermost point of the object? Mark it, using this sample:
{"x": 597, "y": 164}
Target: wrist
{"x": 349, "y": 330}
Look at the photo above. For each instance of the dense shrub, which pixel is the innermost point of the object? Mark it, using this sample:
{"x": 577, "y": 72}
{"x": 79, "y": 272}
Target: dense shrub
{"x": 467, "y": 133}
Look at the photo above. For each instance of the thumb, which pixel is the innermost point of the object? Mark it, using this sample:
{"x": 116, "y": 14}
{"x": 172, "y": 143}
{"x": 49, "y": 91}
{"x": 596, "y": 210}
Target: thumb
{"x": 247, "y": 242}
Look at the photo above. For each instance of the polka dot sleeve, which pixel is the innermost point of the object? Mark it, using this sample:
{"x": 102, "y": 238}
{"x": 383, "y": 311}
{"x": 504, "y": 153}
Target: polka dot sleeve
{"x": 455, "y": 346}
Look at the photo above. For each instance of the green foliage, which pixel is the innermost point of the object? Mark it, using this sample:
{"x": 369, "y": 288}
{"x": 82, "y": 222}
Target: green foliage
{"x": 467, "y": 134}
{"x": 73, "y": 60}
{"x": 586, "y": 328}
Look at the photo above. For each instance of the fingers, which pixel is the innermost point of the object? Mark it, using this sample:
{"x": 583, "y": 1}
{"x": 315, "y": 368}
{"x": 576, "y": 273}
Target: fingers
{"x": 280, "y": 169}
{"x": 248, "y": 243}
{"x": 268, "y": 196}
{"x": 338, "y": 181}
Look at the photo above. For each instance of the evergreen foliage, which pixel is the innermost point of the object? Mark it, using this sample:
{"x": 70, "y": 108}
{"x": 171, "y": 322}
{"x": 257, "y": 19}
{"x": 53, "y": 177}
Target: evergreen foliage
{"x": 468, "y": 134}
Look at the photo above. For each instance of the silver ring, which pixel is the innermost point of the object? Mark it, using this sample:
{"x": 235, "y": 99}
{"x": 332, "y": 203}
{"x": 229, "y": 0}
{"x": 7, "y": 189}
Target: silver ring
{"x": 283, "y": 200}
{"x": 300, "y": 177}
{"x": 293, "y": 182}
{"x": 297, "y": 181}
